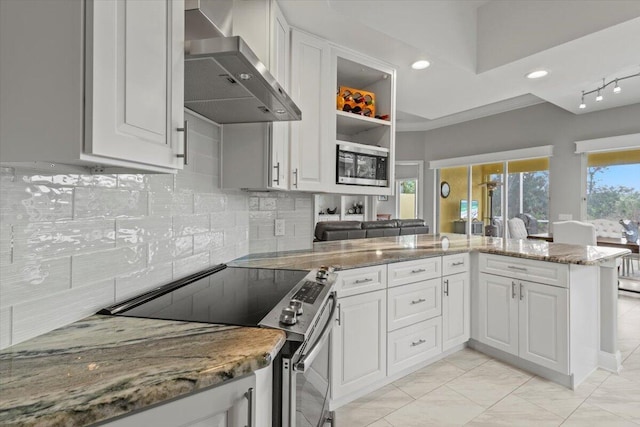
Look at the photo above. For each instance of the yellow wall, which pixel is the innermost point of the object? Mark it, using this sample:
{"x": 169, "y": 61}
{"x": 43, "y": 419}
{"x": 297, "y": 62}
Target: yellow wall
{"x": 407, "y": 206}
{"x": 450, "y": 207}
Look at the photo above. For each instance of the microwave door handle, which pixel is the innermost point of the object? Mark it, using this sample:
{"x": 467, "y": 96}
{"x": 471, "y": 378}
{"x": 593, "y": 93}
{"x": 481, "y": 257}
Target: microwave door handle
{"x": 307, "y": 359}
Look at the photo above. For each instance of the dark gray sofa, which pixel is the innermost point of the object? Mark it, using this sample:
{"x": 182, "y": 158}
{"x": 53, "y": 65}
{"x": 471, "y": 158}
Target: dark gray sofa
{"x": 342, "y": 230}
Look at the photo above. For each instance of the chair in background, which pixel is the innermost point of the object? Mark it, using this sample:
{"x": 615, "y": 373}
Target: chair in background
{"x": 574, "y": 232}
{"x": 530, "y": 222}
{"x": 517, "y": 229}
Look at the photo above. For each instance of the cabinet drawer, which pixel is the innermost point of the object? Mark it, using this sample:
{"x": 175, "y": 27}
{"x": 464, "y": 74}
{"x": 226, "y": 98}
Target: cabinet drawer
{"x": 453, "y": 264}
{"x": 550, "y": 273}
{"x": 411, "y": 345}
{"x": 413, "y": 303}
{"x": 360, "y": 280}
{"x": 401, "y": 273}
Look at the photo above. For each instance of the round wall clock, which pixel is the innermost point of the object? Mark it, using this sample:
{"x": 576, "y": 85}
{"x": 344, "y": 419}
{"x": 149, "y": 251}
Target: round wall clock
{"x": 445, "y": 189}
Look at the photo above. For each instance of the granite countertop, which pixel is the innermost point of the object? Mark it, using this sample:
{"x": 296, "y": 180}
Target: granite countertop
{"x": 345, "y": 254}
{"x": 104, "y": 366}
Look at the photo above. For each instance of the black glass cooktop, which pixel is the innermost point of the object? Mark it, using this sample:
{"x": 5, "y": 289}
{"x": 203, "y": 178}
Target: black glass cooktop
{"x": 236, "y": 296}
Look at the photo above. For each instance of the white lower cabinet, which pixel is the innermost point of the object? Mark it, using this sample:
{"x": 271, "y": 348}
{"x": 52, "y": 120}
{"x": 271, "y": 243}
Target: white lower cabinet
{"x": 456, "y": 310}
{"x": 413, "y": 303}
{"x": 358, "y": 343}
{"x": 222, "y": 406}
{"x": 409, "y": 346}
{"x": 526, "y": 319}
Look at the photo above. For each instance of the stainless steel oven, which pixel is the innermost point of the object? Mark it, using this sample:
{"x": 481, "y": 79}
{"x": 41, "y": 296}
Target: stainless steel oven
{"x": 359, "y": 164}
{"x": 306, "y": 376}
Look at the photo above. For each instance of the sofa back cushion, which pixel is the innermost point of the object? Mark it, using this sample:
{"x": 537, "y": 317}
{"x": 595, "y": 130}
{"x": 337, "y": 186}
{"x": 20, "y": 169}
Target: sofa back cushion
{"x": 607, "y": 228}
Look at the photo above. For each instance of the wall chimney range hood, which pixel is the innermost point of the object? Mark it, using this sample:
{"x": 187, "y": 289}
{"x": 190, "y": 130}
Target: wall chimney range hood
{"x": 226, "y": 82}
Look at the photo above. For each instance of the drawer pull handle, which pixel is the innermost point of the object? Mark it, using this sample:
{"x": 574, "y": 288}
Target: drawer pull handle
{"x": 455, "y": 264}
{"x": 363, "y": 280}
{"x": 521, "y": 292}
{"x": 513, "y": 290}
{"x": 420, "y": 270}
{"x": 416, "y": 343}
{"x": 418, "y": 301}
{"x": 513, "y": 267}
{"x": 446, "y": 287}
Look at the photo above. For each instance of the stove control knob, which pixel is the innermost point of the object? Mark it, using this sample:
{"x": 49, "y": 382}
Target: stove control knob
{"x": 296, "y": 305}
{"x": 288, "y": 316}
{"x": 323, "y": 272}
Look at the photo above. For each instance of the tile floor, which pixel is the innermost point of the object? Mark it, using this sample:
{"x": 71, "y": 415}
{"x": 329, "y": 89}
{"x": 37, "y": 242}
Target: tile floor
{"x": 469, "y": 388}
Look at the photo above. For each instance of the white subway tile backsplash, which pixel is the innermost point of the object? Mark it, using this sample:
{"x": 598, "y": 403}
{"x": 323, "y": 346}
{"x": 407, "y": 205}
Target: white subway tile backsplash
{"x": 107, "y": 203}
{"x": 6, "y": 245}
{"x": 170, "y": 203}
{"x": 268, "y": 204}
{"x": 96, "y": 266}
{"x": 205, "y": 203}
{"x": 190, "y": 224}
{"x": 195, "y": 182}
{"x": 27, "y": 280}
{"x": 160, "y": 183}
{"x": 193, "y": 264}
{"x": 46, "y": 314}
{"x": 142, "y": 230}
{"x": 285, "y": 204}
{"x": 170, "y": 249}
{"x": 29, "y": 203}
{"x": 221, "y": 220}
{"x": 208, "y": 241}
{"x": 99, "y": 181}
{"x": 53, "y": 239}
{"x": 132, "y": 182}
{"x": 140, "y": 281}
{"x": 303, "y": 203}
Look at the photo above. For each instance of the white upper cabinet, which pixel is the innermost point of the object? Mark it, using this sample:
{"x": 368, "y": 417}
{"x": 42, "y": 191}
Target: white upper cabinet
{"x": 100, "y": 84}
{"x": 263, "y": 27}
{"x": 311, "y": 165}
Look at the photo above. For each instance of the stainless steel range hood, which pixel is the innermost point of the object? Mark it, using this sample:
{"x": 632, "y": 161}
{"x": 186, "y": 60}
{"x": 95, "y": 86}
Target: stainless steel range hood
{"x": 226, "y": 82}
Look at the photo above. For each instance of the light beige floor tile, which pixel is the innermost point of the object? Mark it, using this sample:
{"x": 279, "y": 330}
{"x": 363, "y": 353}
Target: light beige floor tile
{"x": 467, "y": 359}
{"x": 421, "y": 382}
{"x": 590, "y": 416}
{"x": 441, "y": 407}
{"x": 629, "y": 328}
{"x": 372, "y": 407}
{"x": 489, "y": 382}
{"x": 556, "y": 398}
{"x": 514, "y": 411}
{"x": 619, "y": 396}
{"x": 631, "y": 367}
{"x": 627, "y": 347}
{"x": 380, "y": 423}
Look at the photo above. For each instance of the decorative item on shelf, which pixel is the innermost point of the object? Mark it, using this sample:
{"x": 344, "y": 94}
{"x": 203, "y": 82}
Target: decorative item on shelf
{"x": 351, "y": 211}
{"x": 598, "y": 91}
{"x": 383, "y": 117}
{"x": 356, "y": 101}
{"x": 332, "y": 211}
{"x": 383, "y": 198}
{"x": 360, "y": 207}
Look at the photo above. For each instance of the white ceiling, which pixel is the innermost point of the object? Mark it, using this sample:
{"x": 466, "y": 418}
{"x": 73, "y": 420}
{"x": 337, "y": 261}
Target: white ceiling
{"x": 481, "y": 50}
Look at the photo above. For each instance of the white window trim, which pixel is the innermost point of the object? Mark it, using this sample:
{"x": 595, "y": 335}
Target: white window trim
{"x": 611, "y": 143}
{"x": 497, "y": 157}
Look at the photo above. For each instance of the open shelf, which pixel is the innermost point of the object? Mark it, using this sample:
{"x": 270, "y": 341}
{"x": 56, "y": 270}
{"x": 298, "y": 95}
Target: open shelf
{"x": 350, "y": 124}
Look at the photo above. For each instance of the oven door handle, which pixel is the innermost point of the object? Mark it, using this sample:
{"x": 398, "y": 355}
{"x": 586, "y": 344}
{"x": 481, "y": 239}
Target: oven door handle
{"x": 307, "y": 359}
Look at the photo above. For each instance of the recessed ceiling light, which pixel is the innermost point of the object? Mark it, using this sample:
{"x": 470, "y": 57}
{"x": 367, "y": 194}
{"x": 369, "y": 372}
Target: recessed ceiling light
{"x": 537, "y": 74}
{"x": 420, "y": 65}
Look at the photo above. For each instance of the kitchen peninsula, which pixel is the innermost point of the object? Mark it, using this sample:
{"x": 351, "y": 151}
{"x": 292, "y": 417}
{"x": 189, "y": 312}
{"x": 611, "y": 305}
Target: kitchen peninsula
{"x": 110, "y": 358}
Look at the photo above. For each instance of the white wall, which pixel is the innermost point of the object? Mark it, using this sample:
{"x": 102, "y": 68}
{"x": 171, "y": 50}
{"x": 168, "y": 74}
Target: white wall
{"x": 542, "y": 124}
{"x": 71, "y": 244}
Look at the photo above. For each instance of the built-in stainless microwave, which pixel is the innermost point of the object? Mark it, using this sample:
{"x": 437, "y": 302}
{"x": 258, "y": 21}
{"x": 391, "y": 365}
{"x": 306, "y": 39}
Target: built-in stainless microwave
{"x": 362, "y": 165}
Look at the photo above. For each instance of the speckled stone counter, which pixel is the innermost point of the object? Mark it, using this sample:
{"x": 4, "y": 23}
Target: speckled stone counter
{"x": 345, "y": 254}
{"x": 104, "y": 366}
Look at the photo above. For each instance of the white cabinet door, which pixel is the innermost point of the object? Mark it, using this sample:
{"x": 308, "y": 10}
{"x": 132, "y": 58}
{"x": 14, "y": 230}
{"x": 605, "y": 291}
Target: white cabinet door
{"x": 456, "y": 310}
{"x": 309, "y": 80}
{"x": 222, "y": 406}
{"x": 544, "y": 322}
{"x": 498, "y": 312}
{"x": 414, "y": 344}
{"x": 279, "y": 67}
{"x": 135, "y": 81}
{"x": 358, "y": 346}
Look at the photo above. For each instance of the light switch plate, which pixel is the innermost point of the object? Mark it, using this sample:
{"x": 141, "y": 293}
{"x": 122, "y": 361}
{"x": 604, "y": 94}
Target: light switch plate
{"x": 565, "y": 217}
{"x": 279, "y": 229}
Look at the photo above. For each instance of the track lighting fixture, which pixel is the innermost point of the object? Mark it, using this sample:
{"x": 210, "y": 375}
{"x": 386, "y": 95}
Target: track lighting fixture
{"x": 598, "y": 91}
